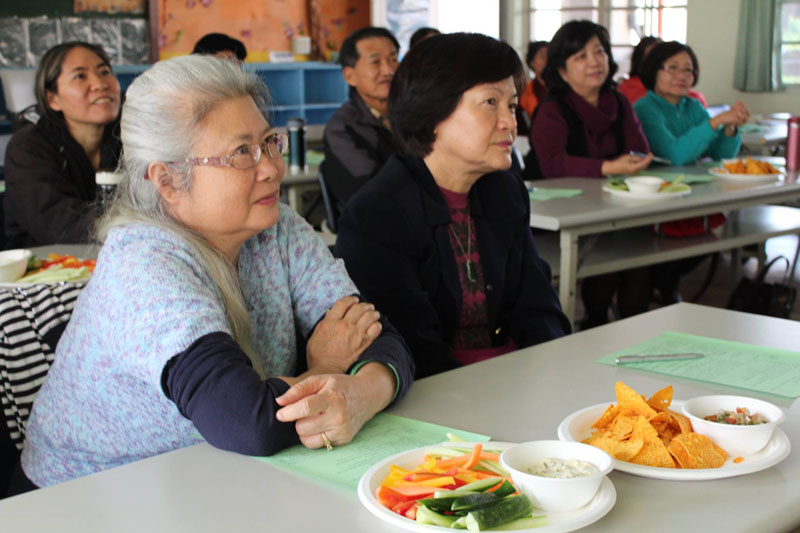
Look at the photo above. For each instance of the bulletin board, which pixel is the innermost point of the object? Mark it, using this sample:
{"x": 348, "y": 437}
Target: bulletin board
{"x": 110, "y": 6}
{"x": 262, "y": 25}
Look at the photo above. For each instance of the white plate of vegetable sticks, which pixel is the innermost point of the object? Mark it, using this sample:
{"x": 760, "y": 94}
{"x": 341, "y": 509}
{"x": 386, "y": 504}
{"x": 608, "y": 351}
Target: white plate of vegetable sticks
{"x": 602, "y": 503}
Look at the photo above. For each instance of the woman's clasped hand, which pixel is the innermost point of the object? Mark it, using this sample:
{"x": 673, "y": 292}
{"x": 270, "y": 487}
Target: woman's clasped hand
{"x": 324, "y": 399}
{"x": 626, "y": 164}
{"x": 736, "y": 116}
{"x": 341, "y": 336}
{"x": 337, "y": 404}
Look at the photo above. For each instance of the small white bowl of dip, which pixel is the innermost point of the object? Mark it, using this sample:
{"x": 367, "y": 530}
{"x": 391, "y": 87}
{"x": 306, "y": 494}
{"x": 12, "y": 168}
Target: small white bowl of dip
{"x": 557, "y": 476}
{"x": 644, "y": 184}
{"x": 13, "y": 264}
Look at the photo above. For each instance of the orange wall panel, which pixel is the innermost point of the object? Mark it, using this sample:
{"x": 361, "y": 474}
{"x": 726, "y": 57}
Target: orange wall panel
{"x": 263, "y": 26}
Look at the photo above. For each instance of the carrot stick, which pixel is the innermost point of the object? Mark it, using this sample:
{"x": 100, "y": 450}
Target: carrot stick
{"x": 461, "y": 460}
{"x": 475, "y": 457}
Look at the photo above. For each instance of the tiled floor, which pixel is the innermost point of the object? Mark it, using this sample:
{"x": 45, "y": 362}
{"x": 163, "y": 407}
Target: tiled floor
{"x": 722, "y": 284}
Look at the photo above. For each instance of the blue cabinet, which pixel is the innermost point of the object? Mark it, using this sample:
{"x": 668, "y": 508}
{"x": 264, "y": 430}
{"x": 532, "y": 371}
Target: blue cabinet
{"x": 309, "y": 90}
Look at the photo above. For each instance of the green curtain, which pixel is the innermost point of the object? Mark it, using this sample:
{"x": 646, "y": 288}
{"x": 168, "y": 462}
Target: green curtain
{"x": 757, "y": 65}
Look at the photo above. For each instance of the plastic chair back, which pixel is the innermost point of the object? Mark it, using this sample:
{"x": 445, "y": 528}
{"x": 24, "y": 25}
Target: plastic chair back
{"x": 331, "y": 212}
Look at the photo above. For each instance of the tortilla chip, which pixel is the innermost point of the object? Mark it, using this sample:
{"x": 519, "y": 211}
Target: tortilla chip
{"x": 607, "y": 416}
{"x": 678, "y": 451}
{"x": 654, "y": 454}
{"x": 683, "y": 421}
{"x": 693, "y": 450}
{"x": 622, "y": 427}
{"x": 666, "y": 425}
{"x": 647, "y": 432}
{"x": 661, "y": 399}
{"x": 622, "y": 450}
{"x": 751, "y": 167}
{"x": 627, "y": 398}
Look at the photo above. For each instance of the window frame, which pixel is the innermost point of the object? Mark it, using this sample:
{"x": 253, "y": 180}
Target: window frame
{"x": 779, "y": 43}
{"x": 604, "y": 10}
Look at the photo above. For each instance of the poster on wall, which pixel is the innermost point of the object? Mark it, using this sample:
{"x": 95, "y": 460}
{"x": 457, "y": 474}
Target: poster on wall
{"x": 110, "y": 6}
{"x": 264, "y": 27}
{"x": 404, "y": 17}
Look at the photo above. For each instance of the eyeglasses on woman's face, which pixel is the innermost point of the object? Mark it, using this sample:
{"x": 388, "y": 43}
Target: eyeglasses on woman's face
{"x": 248, "y": 155}
{"x": 675, "y": 70}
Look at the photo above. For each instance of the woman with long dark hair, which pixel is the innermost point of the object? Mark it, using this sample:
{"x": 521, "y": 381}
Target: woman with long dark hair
{"x": 50, "y": 166}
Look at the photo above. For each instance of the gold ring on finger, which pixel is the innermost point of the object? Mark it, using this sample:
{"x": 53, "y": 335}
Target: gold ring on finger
{"x": 327, "y": 441}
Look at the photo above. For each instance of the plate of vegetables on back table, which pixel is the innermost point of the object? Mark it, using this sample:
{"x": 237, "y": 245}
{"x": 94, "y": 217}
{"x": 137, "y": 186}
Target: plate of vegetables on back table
{"x": 403, "y": 490}
{"x": 54, "y": 268}
{"x": 617, "y": 187}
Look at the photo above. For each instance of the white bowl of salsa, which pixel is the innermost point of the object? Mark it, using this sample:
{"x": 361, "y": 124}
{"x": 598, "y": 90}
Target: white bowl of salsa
{"x": 723, "y": 419}
{"x": 580, "y": 469}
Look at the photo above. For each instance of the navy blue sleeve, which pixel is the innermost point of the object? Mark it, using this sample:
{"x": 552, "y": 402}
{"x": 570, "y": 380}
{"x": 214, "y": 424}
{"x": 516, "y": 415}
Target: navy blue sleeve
{"x": 214, "y": 385}
{"x": 391, "y": 350}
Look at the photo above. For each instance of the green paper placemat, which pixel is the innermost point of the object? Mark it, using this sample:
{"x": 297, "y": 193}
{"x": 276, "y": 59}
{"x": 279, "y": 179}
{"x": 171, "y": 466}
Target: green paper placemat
{"x": 381, "y": 437}
{"x": 751, "y": 128}
{"x": 733, "y": 364}
{"x": 542, "y": 194}
{"x": 314, "y": 158}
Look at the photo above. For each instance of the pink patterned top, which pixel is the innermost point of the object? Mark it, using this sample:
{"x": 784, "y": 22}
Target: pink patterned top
{"x": 472, "y": 342}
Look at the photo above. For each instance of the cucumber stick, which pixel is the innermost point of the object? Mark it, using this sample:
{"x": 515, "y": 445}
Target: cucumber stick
{"x": 426, "y": 516}
{"x": 506, "y": 489}
{"x": 502, "y": 512}
{"x": 473, "y": 501}
{"x": 439, "y": 504}
{"x": 479, "y": 486}
{"x": 529, "y": 522}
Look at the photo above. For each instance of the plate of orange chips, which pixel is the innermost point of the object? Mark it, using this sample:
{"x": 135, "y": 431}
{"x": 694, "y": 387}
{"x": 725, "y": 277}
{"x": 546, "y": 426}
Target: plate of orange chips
{"x": 651, "y": 438}
{"x": 747, "y": 169}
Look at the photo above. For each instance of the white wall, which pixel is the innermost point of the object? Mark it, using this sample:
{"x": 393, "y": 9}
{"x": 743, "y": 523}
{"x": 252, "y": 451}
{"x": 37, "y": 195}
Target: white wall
{"x": 712, "y": 31}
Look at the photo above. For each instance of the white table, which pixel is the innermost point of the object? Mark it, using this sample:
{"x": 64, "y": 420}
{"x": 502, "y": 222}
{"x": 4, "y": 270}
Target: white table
{"x": 517, "y": 397}
{"x": 592, "y": 240}
{"x": 772, "y": 134}
{"x": 81, "y": 251}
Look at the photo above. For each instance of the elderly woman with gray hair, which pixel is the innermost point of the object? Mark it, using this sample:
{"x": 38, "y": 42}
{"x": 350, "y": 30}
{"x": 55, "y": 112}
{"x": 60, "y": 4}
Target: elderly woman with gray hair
{"x": 188, "y": 329}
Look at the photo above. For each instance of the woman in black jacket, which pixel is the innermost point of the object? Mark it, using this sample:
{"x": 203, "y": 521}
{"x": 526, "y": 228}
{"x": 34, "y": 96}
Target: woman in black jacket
{"x": 50, "y": 166}
{"x": 440, "y": 240}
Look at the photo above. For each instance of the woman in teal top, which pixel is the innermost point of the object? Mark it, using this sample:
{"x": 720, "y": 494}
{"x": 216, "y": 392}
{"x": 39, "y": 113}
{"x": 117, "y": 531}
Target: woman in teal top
{"x": 678, "y": 127}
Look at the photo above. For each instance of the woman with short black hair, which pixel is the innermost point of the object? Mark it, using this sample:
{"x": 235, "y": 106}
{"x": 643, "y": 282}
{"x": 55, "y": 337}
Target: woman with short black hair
{"x": 440, "y": 238}
{"x": 632, "y": 87}
{"x": 586, "y": 128}
{"x": 677, "y": 126}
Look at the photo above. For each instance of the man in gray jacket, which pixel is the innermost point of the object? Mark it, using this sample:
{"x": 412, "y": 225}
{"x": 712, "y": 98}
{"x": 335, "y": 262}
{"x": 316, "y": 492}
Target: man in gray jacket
{"x": 357, "y": 138}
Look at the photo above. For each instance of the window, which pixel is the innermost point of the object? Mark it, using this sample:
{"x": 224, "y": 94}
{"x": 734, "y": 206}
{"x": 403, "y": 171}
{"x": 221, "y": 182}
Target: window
{"x": 627, "y": 21}
{"x": 788, "y": 39}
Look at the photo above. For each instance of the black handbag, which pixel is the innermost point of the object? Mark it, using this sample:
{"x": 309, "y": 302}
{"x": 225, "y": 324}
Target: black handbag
{"x": 762, "y": 298}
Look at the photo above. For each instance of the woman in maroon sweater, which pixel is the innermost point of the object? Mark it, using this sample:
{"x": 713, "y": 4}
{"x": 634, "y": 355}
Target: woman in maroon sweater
{"x": 586, "y": 128}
